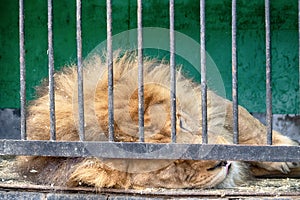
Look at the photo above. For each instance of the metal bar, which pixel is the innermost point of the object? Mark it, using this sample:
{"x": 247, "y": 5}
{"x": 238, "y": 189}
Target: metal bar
{"x": 80, "y": 71}
{"x": 140, "y": 71}
{"x": 22, "y": 70}
{"x": 299, "y": 54}
{"x": 110, "y": 72}
{"x": 130, "y": 150}
{"x": 51, "y": 72}
{"x": 203, "y": 72}
{"x": 234, "y": 76}
{"x": 268, "y": 74}
{"x": 172, "y": 74}
{"x": 43, "y": 192}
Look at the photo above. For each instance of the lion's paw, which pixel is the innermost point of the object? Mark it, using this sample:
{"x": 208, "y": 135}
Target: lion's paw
{"x": 283, "y": 167}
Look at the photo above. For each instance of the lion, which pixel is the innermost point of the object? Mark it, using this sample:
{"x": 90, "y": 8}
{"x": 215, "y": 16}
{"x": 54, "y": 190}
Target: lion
{"x": 131, "y": 173}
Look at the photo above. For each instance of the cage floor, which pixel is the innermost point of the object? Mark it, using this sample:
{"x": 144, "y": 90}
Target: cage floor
{"x": 11, "y": 187}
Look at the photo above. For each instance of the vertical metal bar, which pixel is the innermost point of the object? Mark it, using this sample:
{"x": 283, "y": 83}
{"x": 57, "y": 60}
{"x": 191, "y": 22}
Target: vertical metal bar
{"x": 268, "y": 73}
{"x": 172, "y": 74}
{"x": 140, "y": 71}
{"x": 203, "y": 72}
{"x": 110, "y": 72}
{"x": 299, "y": 53}
{"x": 51, "y": 72}
{"x": 234, "y": 75}
{"x": 79, "y": 71}
{"x": 22, "y": 70}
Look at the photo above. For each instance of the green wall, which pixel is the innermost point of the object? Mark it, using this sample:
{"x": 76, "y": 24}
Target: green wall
{"x": 251, "y": 37}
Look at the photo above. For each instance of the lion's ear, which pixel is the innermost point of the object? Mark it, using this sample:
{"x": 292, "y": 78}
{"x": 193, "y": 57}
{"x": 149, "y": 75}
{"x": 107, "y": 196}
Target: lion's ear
{"x": 183, "y": 124}
{"x": 154, "y": 94}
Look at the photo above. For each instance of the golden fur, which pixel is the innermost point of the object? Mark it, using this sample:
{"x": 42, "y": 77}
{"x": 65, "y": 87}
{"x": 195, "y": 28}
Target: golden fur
{"x": 139, "y": 173}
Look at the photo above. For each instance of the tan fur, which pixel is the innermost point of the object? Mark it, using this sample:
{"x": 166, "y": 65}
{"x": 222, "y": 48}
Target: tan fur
{"x": 138, "y": 173}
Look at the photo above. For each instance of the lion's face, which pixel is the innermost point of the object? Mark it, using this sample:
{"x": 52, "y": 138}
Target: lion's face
{"x": 184, "y": 174}
{"x": 209, "y": 173}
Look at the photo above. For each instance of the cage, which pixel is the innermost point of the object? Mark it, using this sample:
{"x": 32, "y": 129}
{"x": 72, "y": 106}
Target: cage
{"x": 254, "y": 45}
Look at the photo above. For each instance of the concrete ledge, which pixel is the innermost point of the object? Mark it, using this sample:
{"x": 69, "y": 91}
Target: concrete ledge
{"x": 37, "y": 192}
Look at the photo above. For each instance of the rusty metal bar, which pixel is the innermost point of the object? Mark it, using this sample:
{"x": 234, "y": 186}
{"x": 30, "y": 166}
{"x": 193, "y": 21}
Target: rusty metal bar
{"x": 22, "y": 70}
{"x": 110, "y": 71}
{"x": 234, "y": 76}
{"x": 51, "y": 72}
{"x": 203, "y": 72}
{"x": 140, "y": 72}
{"x": 80, "y": 71}
{"x": 268, "y": 74}
{"x": 172, "y": 74}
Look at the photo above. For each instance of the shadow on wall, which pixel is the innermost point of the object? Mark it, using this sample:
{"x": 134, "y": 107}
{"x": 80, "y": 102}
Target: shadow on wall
{"x": 10, "y": 123}
{"x": 286, "y": 124}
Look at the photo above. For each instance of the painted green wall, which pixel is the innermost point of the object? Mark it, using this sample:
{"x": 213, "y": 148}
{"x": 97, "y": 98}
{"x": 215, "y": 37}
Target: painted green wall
{"x": 251, "y": 37}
